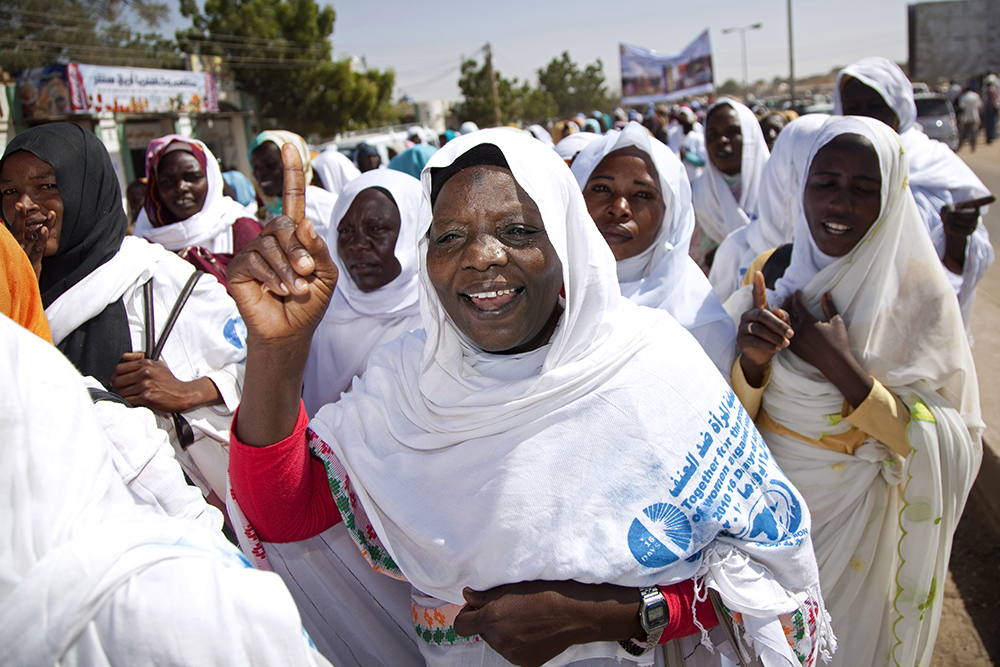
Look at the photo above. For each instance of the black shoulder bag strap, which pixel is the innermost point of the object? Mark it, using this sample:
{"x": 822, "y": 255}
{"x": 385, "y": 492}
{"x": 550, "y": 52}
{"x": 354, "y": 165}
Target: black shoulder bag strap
{"x": 185, "y": 434}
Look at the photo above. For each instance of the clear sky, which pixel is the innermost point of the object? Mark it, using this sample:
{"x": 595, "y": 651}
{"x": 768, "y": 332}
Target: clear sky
{"x": 425, "y": 41}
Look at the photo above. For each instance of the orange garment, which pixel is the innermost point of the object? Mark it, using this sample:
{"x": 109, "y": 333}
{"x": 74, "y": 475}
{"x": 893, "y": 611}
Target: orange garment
{"x": 20, "y": 299}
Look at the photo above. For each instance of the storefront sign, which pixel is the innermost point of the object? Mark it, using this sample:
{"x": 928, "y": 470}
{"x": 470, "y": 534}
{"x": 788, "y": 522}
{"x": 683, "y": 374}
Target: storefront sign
{"x": 77, "y": 88}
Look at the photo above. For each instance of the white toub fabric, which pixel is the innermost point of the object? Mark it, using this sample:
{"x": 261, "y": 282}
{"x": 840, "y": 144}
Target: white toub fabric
{"x": 334, "y": 169}
{"x": 91, "y": 576}
{"x": 718, "y": 212}
{"x": 779, "y": 203}
{"x": 664, "y": 276}
{"x": 882, "y": 525}
{"x": 937, "y": 176}
{"x": 570, "y": 146}
{"x": 211, "y": 227}
{"x": 357, "y": 322}
{"x": 208, "y": 340}
{"x": 620, "y": 418}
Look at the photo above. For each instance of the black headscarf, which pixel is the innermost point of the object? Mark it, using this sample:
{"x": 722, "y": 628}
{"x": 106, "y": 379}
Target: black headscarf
{"x": 93, "y": 226}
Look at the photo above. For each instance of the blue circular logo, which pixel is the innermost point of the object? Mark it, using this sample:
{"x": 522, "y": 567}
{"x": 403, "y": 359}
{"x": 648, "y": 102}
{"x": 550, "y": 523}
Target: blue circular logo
{"x": 775, "y": 515}
{"x": 658, "y": 535}
{"x": 235, "y": 332}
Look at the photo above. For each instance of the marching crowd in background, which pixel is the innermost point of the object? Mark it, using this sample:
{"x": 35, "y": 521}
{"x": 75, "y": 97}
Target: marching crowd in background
{"x": 687, "y": 386}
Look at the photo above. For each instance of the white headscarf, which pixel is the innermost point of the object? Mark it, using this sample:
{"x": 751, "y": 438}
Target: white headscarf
{"x": 718, "y": 212}
{"x": 89, "y": 575}
{"x": 357, "y": 322}
{"x": 210, "y": 228}
{"x": 885, "y": 285}
{"x": 664, "y": 276}
{"x": 571, "y": 145}
{"x": 937, "y": 175}
{"x": 779, "y": 204}
{"x": 494, "y": 458}
{"x": 542, "y": 135}
{"x": 334, "y": 169}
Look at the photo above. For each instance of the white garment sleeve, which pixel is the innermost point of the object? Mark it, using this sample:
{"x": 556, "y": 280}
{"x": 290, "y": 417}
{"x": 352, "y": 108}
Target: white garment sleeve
{"x": 143, "y": 457}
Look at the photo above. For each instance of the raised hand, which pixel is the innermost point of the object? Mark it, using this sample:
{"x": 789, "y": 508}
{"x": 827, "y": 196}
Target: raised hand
{"x": 827, "y": 346}
{"x": 762, "y": 334}
{"x": 531, "y": 622}
{"x": 282, "y": 281}
{"x": 32, "y": 241}
{"x": 960, "y": 221}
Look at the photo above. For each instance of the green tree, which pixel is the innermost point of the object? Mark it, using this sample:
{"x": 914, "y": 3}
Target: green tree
{"x": 45, "y": 32}
{"x": 517, "y": 102}
{"x": 574, "y": 90}
{"x": 730, "y": 87}
{"x": 280, "y": 53}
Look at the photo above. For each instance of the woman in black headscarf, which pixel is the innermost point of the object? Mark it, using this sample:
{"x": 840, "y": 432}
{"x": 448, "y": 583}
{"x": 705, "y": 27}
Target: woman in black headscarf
{"x": 60, "y": 194}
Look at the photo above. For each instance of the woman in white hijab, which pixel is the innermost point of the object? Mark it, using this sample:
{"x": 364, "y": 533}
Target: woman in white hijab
{"x": 780, "y": 199}
{"x": 725, "y": 196}
{"x": 521, "y": 436}
{"x": 873, "y": 411}
{"x": 91, "y": 576}
{"x": 264, "y": 155}
{"x": 332, "y": 170}
{"x": 648, "y": 221}
{"x": 939, "y": 179}
{"x": 373, "y": 238}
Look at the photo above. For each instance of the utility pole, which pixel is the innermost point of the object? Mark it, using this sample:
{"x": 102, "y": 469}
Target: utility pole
{"x": 493, "y": 84}
{"x": 791, "y": 55}
{"x": 743, "y": 44}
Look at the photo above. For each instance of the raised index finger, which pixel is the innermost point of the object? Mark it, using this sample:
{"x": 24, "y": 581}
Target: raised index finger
{"x": 293, "y": 192}
{"x": 759, "y": 291}
{"x": 974, "y": 203}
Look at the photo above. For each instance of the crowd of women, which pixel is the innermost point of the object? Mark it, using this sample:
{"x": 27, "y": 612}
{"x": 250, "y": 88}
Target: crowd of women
{"x": 704, "y": 396}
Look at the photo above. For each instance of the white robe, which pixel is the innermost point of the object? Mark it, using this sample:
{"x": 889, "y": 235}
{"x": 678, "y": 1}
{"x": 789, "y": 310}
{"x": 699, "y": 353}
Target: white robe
{"x": 882, "y": 525}
{"x": 208, "y": 340}
{"x": 937, "y": 175}
{"x": 89, "y": 575}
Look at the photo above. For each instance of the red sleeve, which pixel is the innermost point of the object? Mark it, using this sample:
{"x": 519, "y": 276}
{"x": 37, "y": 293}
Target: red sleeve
{"x": 282, "y": 489}
{"x": 245, "y": 230}
{"x": 679, "y": 598}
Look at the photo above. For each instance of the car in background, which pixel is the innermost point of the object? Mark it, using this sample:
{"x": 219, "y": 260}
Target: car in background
{"x": 937, "y": 118}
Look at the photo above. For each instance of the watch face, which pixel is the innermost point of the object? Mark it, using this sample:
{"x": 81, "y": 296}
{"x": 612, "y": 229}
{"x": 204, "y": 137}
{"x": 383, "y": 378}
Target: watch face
{"x": 656, "y": 614}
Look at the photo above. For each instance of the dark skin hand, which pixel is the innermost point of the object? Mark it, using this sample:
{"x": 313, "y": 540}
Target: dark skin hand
{"x": 826, "y": 346}
{"x": 762, "y": 334}
{"x": 35, "y": 246}
{"x": 150, "y": 384}
{"x": 282, "y": 282}
{"x": 960, "y": 221}
{"x": 531, "y": 622}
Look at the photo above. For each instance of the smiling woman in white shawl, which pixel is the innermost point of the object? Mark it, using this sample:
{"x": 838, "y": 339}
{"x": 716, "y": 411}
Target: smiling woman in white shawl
{"x": 521, "y": 436}
{"x": 873, "y": 409}
{"x": 725, "y": 196}
{"x": 780, "y": 197}
{"x": 939, "y": 179}
{"x": 647, "y": 219}
{"x": 89, "y": 575}
{"x": 185, "y": 205}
